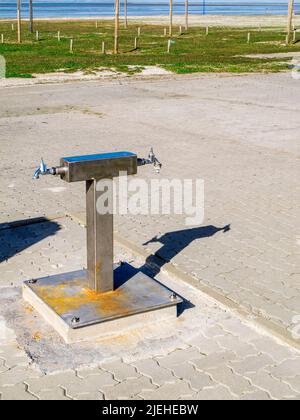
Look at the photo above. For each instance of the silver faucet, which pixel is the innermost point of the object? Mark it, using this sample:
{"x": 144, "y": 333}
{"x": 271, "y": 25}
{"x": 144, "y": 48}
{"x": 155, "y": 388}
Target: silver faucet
{"x": 43, "y": 170}
{"x": 151, "y": 160}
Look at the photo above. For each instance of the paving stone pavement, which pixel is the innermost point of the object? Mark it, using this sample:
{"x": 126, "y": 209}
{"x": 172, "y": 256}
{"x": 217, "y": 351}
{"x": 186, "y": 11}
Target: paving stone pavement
{"x": 238, "y": 134}
{"x": 235, "y": 132}
{"x": 206, "y": 353}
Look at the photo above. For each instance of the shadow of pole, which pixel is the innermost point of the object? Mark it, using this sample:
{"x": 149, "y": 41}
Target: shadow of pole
{"x": 22, "y": 234}
{"x": 175, "y": 242}
{"x": 172, "y": 244}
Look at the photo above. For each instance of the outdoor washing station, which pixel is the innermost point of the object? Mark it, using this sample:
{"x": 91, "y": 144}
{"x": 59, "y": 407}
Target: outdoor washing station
{"x": 106, "y": 297}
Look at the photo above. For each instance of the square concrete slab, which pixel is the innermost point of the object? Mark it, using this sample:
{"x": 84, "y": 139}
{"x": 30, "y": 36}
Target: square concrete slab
{"x": 78, "y": 313}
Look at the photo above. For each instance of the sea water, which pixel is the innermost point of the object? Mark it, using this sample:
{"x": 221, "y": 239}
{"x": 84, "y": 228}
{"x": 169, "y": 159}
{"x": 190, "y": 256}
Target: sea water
{"x": 90, "y": 8}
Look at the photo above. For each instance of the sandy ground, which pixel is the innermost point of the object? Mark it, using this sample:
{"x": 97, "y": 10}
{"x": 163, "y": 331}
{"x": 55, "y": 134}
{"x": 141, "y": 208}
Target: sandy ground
{"x": 79, "y": 76}
{"x": 196, "y": 20}
{"x": 295, "y": 55}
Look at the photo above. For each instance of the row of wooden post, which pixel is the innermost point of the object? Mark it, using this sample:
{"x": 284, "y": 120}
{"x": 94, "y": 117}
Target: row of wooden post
{"x": 117, "y": 20}
{"x": 37, "y": 36}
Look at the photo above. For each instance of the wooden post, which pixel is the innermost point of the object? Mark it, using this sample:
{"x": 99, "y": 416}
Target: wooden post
{"x": 12, "y": 27}
{"x": 37, "y": 35}
{"x": 165, "y": 31}
{"x": 135, "y": 43}
{"x": 180, "y": 30}
{"x": 207, "y": 31}
{"x": 19, "y": 22}
{"x": 171, "y": 18}
{"x": 71, "y": 46}
{"x": 248, "y": 37}
{"x": 125, "y": 15}
{"x": 186, "y": 15}
{"x": 58, "y": 36}
{"x": 169, "y": 46}
{"x": 290, "y": 20}
{"x": 96, "y": 24}
{"x": 103, "y": 47}
{"x": 30, "y": 16}
{"x": 117, "y": 23}
{"x": 2, "y": 39}
{"x": 139, "y": 31}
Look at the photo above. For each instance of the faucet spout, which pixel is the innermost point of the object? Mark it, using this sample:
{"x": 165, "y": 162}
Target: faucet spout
{"x": 37, "y": 174}
{"x": 151, "y": 160}
{"x": 41, "y": 170}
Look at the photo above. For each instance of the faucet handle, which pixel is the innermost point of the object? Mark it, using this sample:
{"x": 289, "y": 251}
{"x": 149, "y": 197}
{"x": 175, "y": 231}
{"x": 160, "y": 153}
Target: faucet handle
{"x": 43, "y": 167}
{"x": 157, "y": 164}
{"x": 151, "y": 160}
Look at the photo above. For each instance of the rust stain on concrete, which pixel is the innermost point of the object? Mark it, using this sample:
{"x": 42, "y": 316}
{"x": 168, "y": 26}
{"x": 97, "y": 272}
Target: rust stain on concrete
{"x": 64, "y": 299}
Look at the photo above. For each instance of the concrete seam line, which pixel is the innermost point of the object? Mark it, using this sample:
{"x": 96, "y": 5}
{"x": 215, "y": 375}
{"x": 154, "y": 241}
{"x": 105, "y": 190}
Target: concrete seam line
{"x": 262, "y": 324}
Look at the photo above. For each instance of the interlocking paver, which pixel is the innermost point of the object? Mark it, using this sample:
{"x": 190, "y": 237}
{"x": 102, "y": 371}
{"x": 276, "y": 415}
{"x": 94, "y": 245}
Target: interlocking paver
{"x": 90, "y": 384}
{"x": 91, "y": 396}
{"x": 251, "y": 364}
{"x": 13, "y": 356}
{"x": 178, "y": 357}
{"x": 204, "y": 345}
{"x": 233, "y": 343}
{"x": 3, "y": 368}
{"x": 238, "y": 329}
{"x": 49, "y": 382}
{"x": 294, "y": 382}
{"x": 287, "y": 369}
{"x": 256, "y": 396}
{"x": 197, "y": 380}
{"x": 268, "y": 346}
{"x": 214, "y": 360}
{"x": 52, "y": 395}
{"x": 121, "y": 370}
{"x": 276, "y": 389}
{"x": 176, "y": 390}
{"x": 17, "y": 375}
{"x": 156, "y": 373}
{"x": 238, "y": 385}
{"x": 218, "y": 392}
{"x": 17, "y": 392}
{"x": 129, "y": 388}
{"x": 85, "y": 372}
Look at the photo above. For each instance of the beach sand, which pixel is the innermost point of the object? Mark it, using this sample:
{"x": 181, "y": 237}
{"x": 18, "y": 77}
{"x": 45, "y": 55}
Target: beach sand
{"x": 197, "y": 20}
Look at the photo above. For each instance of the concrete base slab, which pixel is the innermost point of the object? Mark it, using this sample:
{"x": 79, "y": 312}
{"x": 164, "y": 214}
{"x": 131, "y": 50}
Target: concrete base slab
{"x": 79, "y": 314}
